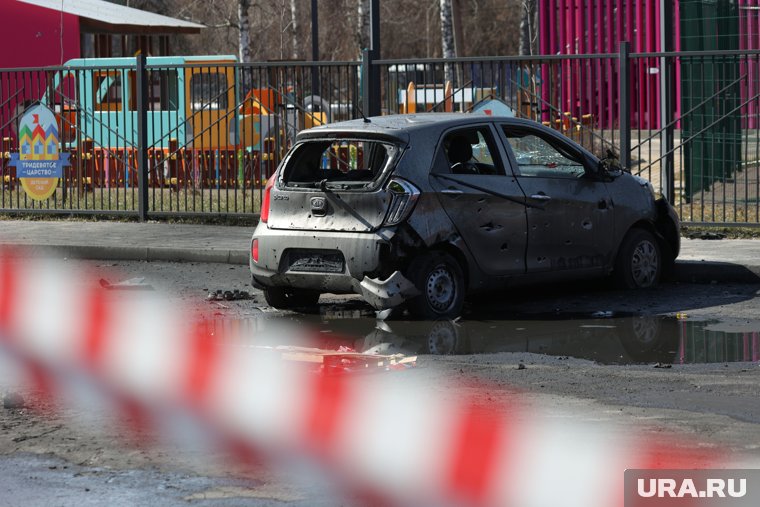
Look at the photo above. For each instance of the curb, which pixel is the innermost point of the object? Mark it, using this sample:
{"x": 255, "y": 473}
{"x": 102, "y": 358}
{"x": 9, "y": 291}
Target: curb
{"x": 134, "y": 253}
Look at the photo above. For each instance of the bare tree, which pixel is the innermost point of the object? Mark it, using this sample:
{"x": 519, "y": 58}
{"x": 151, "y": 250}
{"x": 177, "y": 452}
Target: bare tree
{"x": 456, "y": 21}
{"x": 447, "y": 38}
{"x": 489, "y": 27}
{"x": 362, "y": 26}
{"x": 294, "y": 29}
{"x": 244, "y": 31}
{"x": 527, "y": 26}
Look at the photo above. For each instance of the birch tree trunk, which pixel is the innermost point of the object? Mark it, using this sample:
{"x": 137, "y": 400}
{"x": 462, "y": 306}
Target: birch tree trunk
{"x": 244, "y": 31}
{"x": 294, "y": 29}
{"x": 447, "y": 39}
{"x": 362, "y": 25}
{"x": 527, "y": 24}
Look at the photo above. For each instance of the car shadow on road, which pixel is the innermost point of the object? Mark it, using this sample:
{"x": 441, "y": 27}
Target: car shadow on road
{"x": 599, "y": 296}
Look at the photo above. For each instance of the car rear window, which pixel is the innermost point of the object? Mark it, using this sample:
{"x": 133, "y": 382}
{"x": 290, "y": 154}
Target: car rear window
{"x": 345, "y": 163}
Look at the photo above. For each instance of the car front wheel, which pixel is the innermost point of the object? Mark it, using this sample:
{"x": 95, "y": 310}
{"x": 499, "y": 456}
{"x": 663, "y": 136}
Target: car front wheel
{"x": 286, "y": 299}
{"x": 438, "y": 277}
{"x": 639, "y": 261}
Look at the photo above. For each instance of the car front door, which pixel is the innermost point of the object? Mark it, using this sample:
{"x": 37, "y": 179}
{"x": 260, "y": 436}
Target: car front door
{"x": 570, "y": 224}
{"x": 482, "y": 198}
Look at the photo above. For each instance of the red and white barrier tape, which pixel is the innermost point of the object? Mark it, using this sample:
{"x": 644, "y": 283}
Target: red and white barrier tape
{"x": 390, "y": 435}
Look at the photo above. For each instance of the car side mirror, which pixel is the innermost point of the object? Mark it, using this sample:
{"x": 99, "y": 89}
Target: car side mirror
{"x": 609, "y": 167}
{"x": 606, "y": 172}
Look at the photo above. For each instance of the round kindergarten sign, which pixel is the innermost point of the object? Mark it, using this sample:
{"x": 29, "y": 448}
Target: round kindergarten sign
{"x": 39, "y": 165}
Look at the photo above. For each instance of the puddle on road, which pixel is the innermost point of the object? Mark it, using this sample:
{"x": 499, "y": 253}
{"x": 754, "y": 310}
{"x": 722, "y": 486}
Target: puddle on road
{"x": 604, "y": 337}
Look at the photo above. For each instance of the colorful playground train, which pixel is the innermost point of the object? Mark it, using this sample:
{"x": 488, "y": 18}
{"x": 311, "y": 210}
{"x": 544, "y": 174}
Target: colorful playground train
{"x": 202, "y": 128}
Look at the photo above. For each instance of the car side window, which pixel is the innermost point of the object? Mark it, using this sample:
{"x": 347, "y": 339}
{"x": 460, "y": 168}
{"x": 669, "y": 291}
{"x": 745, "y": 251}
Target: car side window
{"x": 536, "y": 157}
{"x": 469, "y": 151}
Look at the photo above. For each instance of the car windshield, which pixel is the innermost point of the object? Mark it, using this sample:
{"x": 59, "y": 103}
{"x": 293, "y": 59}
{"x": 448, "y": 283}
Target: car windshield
{"x": 343, "y": 163}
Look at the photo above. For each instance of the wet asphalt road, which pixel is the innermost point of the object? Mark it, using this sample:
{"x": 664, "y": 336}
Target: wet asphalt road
{"x": 583, "y": 346}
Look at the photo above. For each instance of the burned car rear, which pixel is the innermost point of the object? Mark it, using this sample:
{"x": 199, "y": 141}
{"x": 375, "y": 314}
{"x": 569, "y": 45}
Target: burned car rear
{"x": 422, "y": 210}
{"x": 328, "y": 216}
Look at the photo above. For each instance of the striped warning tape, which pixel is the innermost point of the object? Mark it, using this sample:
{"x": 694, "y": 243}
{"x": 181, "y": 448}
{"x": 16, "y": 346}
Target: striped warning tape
{"x": 392, "y": 436}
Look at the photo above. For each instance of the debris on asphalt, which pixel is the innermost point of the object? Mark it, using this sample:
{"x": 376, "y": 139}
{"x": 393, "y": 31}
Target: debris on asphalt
{"x": 706, "y": 235}
{"x": 663, "y": 365}
{"x": 353, "y": 309}
{"x": 228, "y": 295}
{"x": 131, "y": 284}
{"x": 13, "y": 401}
{"x": 521, "y": 366}
{"x": 342, "y": 313}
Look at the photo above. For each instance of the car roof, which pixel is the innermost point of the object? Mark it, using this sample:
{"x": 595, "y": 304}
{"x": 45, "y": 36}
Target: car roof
{"x": 402, "y": 126}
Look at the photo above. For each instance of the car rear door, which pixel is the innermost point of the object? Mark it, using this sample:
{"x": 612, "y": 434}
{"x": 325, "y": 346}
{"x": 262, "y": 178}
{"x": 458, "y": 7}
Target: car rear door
{"x": 335, "y": 184}
{"x": 570, "y": 219}
{"x": 483, "y": 200}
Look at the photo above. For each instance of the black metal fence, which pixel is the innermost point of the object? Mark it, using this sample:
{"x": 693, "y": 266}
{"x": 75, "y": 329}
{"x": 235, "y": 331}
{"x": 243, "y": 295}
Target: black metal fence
{"x": 701, "y": 150}
{"x": 169, "y": 138}
{"x": 180, "y": 136}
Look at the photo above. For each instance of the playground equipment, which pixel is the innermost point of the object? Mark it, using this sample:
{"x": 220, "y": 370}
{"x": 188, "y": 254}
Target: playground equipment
{"x": 205, "y": 125}
{"x": 433, "y": 97}
{"x": 194, "y": 119}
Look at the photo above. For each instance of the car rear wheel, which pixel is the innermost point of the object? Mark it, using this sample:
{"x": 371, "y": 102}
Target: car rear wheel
{"x": 438, "y": 277}
{"x": 639, "y": 261}
{"x": 286, "y": 299}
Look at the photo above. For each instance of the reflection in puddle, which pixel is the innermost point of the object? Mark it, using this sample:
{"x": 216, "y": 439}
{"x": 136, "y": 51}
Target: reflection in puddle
{"x": 606, "y": 339}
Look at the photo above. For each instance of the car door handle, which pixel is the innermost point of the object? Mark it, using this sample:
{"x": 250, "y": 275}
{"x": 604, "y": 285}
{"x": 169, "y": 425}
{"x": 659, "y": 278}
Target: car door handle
{"x": 451, "y": 191}
{"x": 541, "y": 197}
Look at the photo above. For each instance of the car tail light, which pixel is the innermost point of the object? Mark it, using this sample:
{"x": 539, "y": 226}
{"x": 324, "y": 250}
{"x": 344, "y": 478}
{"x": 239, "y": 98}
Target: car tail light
{"x": 266, "y": 199}
{"x": 403, "y": 198}
{"x": 255, "y": 250}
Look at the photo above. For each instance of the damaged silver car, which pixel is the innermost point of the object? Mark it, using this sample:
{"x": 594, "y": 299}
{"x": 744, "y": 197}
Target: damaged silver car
{"x": 423, "y": 210}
